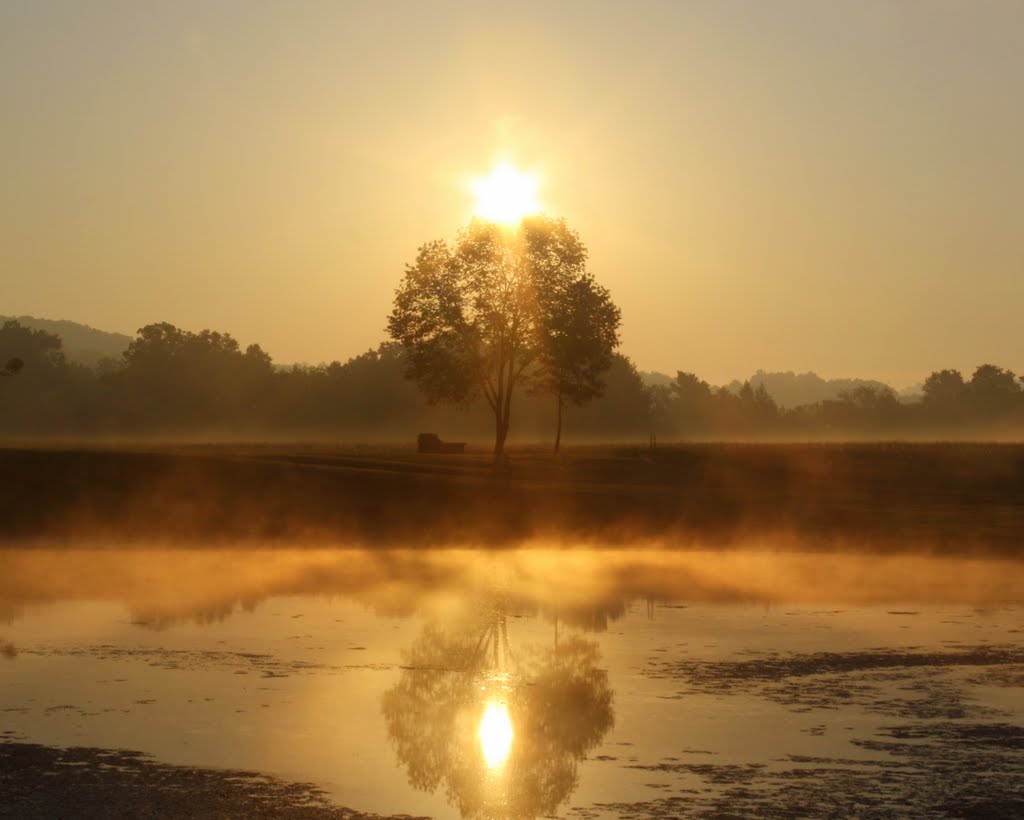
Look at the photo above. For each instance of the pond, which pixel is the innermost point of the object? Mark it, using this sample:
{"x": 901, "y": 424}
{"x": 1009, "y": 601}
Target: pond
{"x": 520, "y": 683}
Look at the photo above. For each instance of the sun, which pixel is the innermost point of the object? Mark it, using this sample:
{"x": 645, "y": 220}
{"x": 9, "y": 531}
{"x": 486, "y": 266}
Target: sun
{"x": 496, "y": 735}
{"x": 507, "y": 195}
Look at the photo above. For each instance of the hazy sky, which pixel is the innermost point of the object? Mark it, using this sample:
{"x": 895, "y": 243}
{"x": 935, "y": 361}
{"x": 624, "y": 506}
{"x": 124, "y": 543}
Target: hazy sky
{"x": 825, "y": 185}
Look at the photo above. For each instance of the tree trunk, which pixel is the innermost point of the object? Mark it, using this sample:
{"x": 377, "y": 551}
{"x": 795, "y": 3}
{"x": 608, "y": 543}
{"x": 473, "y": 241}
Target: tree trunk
{"x": 500, "y": 432}
{"x": 558, "y": 429}
{"x": 503, "y": 407}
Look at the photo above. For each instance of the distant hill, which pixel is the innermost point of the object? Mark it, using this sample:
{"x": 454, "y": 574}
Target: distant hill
{"x": 83, "y": 344}
{"x": 912, "y": 392}
{"x": 793, "y": 389}
{"x": 651, "y": 378}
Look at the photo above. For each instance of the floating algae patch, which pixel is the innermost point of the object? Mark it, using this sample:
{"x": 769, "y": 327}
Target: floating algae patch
{"x": 260, "y": 663}
{"x": 887, "y": 681}
{"x": 928, "y": 770}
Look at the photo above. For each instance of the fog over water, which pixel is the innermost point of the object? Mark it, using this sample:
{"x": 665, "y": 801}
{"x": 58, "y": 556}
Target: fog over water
{"x": 521, "y": 683}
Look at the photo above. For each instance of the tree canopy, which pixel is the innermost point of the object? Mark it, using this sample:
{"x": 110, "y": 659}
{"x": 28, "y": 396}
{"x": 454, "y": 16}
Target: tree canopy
{"x": 36, "y": 348}
{"x": 500, "y": 308}
{"x": 170, "y": 376}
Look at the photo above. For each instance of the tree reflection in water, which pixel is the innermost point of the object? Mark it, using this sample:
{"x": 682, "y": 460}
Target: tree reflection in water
{"x": 503, "y": 731}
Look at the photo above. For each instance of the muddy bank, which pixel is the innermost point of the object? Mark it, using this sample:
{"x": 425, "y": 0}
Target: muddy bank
{"x": 43, "y": 782}
{"x": 950, "y": 497}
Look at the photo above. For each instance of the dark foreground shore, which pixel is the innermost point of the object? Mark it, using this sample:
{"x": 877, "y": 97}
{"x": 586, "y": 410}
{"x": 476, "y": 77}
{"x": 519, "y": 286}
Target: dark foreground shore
{"x": 946, "y": 497}
{"x": 43, "y": 782}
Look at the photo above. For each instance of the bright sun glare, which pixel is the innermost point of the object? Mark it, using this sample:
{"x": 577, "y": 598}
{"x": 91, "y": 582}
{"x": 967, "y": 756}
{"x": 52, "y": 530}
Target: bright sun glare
{"x": 495, "y": 734}
{"x": 507, "y": 195}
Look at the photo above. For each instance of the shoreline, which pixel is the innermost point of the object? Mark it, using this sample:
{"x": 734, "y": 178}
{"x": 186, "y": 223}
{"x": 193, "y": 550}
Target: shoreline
{"x": 944, "y": 497}
{"x": 53, "y": 781}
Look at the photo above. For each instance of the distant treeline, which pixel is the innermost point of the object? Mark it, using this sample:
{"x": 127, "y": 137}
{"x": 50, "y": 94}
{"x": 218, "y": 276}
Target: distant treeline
{"x": 990, "y": 403}
{"x": 178, "y": 383}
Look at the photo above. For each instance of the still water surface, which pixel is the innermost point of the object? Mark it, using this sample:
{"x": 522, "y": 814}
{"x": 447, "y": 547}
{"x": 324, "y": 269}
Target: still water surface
{"x": 581, "y": 683}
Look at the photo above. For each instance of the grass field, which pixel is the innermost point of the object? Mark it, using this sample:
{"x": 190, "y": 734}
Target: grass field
{"x": 946, "y": 497}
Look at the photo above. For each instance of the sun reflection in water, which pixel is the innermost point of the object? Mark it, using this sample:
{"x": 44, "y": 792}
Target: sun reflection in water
{"x": 496, "y": 734}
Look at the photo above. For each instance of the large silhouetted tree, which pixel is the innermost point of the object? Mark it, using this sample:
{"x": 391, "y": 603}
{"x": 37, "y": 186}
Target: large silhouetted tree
{"x": 478, "y": 317}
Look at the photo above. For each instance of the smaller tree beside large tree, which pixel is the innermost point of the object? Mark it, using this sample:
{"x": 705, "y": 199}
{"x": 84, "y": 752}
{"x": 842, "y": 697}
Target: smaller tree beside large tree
{"x": 581, "y": 332}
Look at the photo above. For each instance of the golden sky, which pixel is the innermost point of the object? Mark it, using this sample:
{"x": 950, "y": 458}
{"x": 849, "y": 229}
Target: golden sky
{"x": 794, "y": 185}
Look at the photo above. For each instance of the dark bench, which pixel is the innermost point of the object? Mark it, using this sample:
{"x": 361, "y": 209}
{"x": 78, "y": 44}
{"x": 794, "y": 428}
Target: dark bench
{"x": 430, "y": 443}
